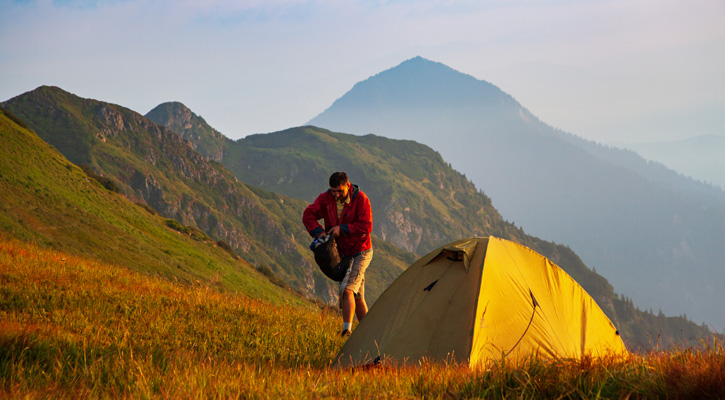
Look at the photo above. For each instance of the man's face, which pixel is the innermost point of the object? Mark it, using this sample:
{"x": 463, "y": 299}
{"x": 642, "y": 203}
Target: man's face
{"x": 340, "y": 192}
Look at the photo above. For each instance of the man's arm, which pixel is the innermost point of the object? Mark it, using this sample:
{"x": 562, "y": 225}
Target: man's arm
{"x": 311, "y": 215}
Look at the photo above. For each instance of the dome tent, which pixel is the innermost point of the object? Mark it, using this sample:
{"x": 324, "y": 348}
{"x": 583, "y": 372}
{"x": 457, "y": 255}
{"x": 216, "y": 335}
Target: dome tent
{"x": 476, "y": 300}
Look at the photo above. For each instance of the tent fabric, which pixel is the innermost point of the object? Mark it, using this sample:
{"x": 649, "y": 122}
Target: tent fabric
{"x": 477, "y": 300}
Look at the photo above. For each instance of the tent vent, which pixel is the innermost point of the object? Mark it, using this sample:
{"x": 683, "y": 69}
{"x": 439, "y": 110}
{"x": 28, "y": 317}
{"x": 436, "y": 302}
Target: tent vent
{"x": 458, "y": 256}
{"x": 429, "y": 287}
{"x": 535, "y": 304}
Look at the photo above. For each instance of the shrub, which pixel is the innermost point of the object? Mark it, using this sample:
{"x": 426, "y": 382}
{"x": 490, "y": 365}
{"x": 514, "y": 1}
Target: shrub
{"x": 194, "y": 232}
{"x": 226, "y": 247}
{"x": 107, "y": 183}
{"x": 147, "y": 208}
{"x": 266, "y": 271}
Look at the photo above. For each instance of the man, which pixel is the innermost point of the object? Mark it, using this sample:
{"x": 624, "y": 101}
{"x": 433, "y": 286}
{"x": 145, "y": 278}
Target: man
{"x": 346, "y": 212}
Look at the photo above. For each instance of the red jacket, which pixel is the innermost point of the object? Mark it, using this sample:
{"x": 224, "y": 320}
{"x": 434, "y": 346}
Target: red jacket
{"x": 356, "y": 221}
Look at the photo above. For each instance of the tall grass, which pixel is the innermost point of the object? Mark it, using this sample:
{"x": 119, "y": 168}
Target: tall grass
{"x": 77, "y": 328}
{"x": 68, "y": 323}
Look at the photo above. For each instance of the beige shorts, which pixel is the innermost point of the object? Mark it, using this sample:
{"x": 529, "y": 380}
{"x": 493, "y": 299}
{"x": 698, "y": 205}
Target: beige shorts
{"x": 354, "y": 280}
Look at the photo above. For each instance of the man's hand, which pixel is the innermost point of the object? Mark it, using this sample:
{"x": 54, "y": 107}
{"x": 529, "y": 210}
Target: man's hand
{"x": 335, "y": 231}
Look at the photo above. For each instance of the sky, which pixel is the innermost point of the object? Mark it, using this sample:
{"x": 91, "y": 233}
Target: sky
{"x": 614, "y": 71}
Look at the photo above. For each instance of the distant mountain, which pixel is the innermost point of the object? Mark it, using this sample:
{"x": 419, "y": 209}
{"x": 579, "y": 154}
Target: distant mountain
{"x": 153, "y": 165}
{"x": 701, "y": 157}
{"x": 419, "y": 203}
{"x": 657, "y": 236}
{"x": 48, "y": 200}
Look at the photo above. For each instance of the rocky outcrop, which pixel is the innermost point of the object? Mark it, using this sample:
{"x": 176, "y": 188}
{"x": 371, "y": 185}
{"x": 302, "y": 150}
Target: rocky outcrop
{"x": 206, "y": 140}
{"x": 397, "y": 228}
{"x": 148, "y": 190}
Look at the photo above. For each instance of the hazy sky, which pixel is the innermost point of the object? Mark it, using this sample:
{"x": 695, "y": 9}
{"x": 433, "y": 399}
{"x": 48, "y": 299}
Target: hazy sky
{"x": 608, "y": 70}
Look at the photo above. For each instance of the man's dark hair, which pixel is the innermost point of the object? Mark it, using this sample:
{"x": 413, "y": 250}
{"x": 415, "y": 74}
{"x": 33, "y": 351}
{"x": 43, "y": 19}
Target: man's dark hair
{"x": 337, "y": 179}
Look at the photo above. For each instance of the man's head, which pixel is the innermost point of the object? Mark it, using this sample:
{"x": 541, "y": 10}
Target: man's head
{"x": 339, "y": 185}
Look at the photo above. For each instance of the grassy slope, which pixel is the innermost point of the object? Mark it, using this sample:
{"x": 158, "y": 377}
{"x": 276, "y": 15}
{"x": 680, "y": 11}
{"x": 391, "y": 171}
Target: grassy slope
{"x": 119, "y": 143}
{"x": 264, "y": 227}
{"x": 50, "y": 201}
{"x": 71, "y": 327}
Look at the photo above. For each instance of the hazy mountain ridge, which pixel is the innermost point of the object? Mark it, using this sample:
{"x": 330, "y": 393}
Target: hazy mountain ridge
{"x": 701, "y": 157}
{"x": 654, "y": 170}
{"x": 650, "y": 231}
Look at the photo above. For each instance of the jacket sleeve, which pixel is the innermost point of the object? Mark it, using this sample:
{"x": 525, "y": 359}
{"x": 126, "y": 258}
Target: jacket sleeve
{"x": 363, "y": 224}
{"x": 311, "y": 215}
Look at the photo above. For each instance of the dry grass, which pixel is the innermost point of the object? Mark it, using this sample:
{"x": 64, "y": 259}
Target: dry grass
{"x": 76, "y": 328}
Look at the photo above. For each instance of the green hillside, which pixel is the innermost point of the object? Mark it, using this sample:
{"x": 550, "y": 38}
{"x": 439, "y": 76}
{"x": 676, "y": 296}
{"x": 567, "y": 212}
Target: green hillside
{"x": 153, "y": 165}
{"x": 48, "y": 200}
{"x": 419, "y": 202}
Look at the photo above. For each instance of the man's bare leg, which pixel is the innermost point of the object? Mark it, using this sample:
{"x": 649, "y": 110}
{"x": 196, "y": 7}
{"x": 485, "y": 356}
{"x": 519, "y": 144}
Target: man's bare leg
{"x": 361, "y": 308}
{"x": 348, "y": 306}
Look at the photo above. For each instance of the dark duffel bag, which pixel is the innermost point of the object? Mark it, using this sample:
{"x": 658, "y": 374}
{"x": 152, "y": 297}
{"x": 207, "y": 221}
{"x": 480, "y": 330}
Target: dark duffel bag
{"x": 328, "y": 259}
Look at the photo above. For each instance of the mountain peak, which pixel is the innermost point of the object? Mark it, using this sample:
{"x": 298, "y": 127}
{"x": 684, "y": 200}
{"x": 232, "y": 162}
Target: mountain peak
{"x": 172, "y": 110}
{"x": 179, "y": 118}
{"x": 47, "y": 92}
{"x": 422, "y": 71}
{"x": 419, "y": 62}
{"x": 416, "y": 87}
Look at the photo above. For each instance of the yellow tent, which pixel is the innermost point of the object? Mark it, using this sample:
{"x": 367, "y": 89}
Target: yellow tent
{"x": 477, "y": 300}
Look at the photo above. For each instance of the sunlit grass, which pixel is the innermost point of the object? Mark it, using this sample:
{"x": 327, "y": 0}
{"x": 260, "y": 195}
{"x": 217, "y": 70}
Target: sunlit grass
{"x": 74, "y": 328}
